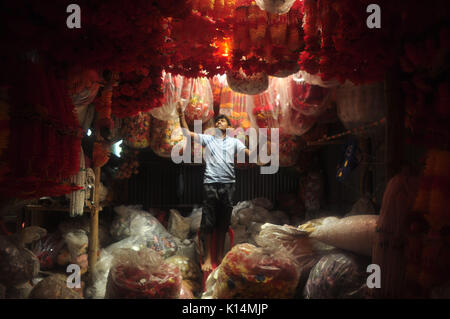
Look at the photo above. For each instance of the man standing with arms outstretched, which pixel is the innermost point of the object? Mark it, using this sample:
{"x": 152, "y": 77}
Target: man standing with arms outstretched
{"x": 218, "y": 184}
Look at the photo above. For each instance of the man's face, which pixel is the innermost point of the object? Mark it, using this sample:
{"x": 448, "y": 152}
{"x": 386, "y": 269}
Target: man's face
{"x": 222, "y": 124}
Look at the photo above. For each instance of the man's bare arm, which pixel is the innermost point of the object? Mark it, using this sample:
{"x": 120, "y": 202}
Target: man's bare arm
{"x": 184, "y": 125}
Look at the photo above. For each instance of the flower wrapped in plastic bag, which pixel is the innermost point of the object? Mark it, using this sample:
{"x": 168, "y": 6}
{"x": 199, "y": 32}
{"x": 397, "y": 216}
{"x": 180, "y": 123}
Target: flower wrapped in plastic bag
{"x": 251, "y": 272}
{"x": 100, "y": 272}
{"x": 291, "y": 121}
{"x": 200, "y": 103}
{"x": 188, "y": 268}
{"x": 142, "y": 274}
{"x": 308, "y": 99}
{"x": 338, "y": 276}
{"x": 306, "y": 251}
{"x": 234, "y": 106}
{"x": 17, "y": 264}
{"x": 297, "y": 123}
{"x": 136, "y": 130}
{"x": 263, "y": 110}
{"x": 217, "y": 83}
{"x": 173, "y": 88}
{"x": 165, "y": 135}
{"x": 47, "y": 250}
{"x": 131, "y": 221}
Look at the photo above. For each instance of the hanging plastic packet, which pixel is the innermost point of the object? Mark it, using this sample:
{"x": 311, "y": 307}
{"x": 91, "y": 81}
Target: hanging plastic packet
{"x": 200, "y": 104}
{"x": 308, "y": 99}
{"x": 165, "y": 135}
{"x": 296, "y": 123}
{"x": 136, "y": 130}
{"x": 172, "y": 87}
{"x": 263, "y": 110}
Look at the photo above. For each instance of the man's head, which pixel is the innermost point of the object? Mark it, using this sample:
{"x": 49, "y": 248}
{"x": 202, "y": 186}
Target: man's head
{"x": 222, "y": 122}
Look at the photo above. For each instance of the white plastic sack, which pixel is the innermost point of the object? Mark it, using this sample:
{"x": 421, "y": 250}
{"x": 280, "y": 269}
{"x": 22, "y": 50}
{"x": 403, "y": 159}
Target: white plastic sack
{"x": 178, "y": 225}
{"x": 353, "y": 233}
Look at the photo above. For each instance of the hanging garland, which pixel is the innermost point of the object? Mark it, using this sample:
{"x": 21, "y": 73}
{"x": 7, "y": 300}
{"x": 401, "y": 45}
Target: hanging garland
{"x": 45, "y": 138}
{"x": 339, "y": 44}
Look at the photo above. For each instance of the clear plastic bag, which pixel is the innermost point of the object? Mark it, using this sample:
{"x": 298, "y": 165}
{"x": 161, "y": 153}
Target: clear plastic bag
{"x": 296, "y": 123}
{"x": 17, "y": 264}
{"x": 294, "y": 240}
{"x": 142, "y": 275}
{"x": 210, "y": 284}
{"x": 263, "y": 110}
{"x": 186, "y": 291}
{"x": 353, "y": 233}
{"x": 173, "y": 88}
{"x": 337, "y": 276}
{"x": 196, "y": 219}
{"x": 54, "y": 287}
{"x": 200, "y": 103}
{"x": 77, "y": 244}
{"x": 217, "y": 82}
{"x": 47, "y": 250}
{"x": 316, "y": 80}
{"x": 251, "y": 272}
{"x": 131, "y": 221}
{"x": 308, "y": 99}
{"x": 179, "y": 226}
{"x": 306, "y": 251}
{"x": 101, "y": 270}
{"x": 188, "y": 268}
{"x": 234, "y": 106}
{"x": 165, "y": 135}
{"x": 359, "y": 105}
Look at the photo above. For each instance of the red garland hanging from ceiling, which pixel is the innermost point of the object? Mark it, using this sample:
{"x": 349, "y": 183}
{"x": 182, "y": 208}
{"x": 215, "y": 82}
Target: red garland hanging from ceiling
{"x": 339, "y": 44}
{"x": 45, "y": 138}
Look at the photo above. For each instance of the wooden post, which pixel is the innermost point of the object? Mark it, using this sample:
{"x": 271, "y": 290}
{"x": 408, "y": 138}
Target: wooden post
{"x": 95, "y": 208}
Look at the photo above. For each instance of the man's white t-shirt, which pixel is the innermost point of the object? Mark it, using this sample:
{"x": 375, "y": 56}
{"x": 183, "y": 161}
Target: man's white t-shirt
{"x": 219, "y": 157}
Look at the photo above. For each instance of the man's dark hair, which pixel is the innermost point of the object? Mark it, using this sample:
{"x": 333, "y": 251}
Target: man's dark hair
{"x": 222, "y": 116}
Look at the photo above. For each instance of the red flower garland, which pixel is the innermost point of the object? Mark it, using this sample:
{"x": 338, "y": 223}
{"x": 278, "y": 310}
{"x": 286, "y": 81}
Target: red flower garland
{"x": 45, "y": 139}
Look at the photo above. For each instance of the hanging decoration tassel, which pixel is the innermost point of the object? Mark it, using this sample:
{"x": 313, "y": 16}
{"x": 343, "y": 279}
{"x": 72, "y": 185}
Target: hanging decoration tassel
{"x": 77, "y": 198}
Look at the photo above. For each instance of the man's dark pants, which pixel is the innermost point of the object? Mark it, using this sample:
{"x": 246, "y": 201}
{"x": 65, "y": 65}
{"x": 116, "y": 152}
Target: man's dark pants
{"x": 217, "y": 207}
